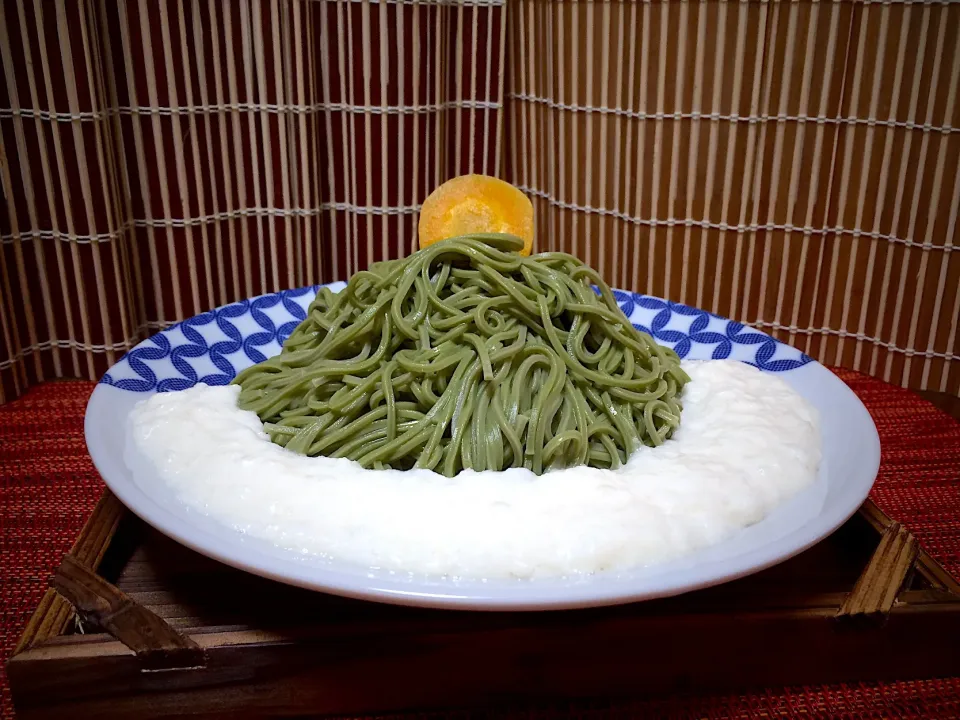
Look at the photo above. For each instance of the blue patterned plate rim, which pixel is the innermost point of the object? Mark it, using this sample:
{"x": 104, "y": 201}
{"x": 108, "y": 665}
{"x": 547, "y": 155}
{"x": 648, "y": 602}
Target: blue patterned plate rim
{"x": 672, "y": 324}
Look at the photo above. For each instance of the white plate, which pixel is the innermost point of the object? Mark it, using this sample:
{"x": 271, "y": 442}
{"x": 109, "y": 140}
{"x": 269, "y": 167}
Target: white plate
{"x": 214, "y": 346}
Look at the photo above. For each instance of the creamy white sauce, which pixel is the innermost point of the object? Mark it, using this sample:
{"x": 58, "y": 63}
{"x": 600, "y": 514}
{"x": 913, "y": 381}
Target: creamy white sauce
{"x": 747, "y": 442}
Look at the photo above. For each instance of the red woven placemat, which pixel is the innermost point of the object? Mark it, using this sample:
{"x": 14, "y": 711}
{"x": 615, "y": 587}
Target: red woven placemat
{"x": 49, "y": 487}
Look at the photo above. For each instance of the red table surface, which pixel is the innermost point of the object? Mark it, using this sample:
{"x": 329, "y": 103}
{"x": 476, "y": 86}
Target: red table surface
{"x": 49, "y": 488}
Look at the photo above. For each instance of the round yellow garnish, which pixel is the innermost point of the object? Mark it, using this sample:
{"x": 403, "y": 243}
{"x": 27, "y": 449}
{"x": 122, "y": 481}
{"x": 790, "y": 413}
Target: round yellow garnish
{"x": 476, "y": 203}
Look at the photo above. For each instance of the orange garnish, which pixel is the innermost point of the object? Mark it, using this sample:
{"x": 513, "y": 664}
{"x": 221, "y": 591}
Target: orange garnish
{"x": 476, "y": 203}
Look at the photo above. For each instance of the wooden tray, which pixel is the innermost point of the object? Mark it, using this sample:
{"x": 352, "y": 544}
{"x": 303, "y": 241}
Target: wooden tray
{"x": 136, "y": 626}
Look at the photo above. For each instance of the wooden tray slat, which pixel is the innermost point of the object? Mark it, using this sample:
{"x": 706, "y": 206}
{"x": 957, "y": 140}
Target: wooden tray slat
{"x": 55, "y": 612}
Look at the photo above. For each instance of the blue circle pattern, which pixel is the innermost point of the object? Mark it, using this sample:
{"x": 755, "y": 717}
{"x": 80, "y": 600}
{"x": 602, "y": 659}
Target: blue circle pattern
{"x": 160, "y": 348}
{"x": 734, "y": 333}
{"x": 160, "y": 363}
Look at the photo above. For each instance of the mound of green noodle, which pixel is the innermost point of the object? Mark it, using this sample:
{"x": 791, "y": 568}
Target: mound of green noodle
{"x": 468, "y": 355}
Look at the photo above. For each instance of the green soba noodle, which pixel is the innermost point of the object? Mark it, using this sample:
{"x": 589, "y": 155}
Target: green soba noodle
{"x": 468, "y": 355}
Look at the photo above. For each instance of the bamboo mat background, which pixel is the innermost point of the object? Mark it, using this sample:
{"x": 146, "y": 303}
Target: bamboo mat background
{"x": 790, "y": 164}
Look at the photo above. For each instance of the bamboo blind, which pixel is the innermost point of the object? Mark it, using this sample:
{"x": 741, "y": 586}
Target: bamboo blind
{"x": 791, "y": 164}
